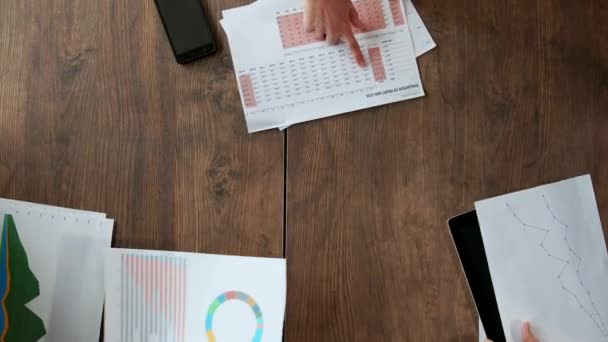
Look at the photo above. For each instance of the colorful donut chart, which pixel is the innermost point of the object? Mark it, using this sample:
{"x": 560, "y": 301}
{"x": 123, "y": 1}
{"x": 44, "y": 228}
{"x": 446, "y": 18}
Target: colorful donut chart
{"x": 235, "y": 295}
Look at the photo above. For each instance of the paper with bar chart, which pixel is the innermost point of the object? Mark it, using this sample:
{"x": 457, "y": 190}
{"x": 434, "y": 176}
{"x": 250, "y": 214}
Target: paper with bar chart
{"x": 548, "y": 261}
{"x": 179, "y": 297}
{"x": 285, "y": 76}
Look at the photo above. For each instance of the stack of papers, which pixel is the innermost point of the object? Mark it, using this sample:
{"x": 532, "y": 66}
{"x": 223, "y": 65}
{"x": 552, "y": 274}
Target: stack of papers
{"x": 285, "y": 76}
{"x": 51, "y": 272}
{"x": 176, "y": 297}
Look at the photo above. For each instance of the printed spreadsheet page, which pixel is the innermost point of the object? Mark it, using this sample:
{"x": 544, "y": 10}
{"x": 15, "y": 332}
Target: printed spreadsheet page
{"x": 285, "y": 76}
{"x": 154, "y": 296}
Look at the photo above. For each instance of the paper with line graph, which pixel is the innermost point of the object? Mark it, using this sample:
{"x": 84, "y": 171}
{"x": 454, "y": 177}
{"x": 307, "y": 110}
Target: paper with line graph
{"x": 548, "y": 261}
{"x": 179, "y": 297}
{"x": 285, "y": 76}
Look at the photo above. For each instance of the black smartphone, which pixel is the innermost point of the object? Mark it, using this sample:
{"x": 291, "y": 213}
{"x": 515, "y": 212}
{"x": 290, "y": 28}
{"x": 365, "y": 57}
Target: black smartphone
{"x": 187, "y": 29}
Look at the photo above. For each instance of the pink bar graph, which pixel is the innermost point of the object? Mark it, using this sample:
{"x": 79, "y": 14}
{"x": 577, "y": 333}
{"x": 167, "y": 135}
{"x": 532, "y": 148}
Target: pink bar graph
{"x": 397, "y": 12}
{"x": 377, "y": 64}
{"x": 247, "y": 90}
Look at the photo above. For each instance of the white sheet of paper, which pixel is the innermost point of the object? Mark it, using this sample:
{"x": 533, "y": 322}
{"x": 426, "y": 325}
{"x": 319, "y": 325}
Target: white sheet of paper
{"x": 65, "y": 250}
{"x": 421, "y": 38}
{"x": 548, "y": 261}
{"x": 21, "y": 205}
{"x": 423, "y": 42}
{"x": 285, "y": 77}
{"x": 154, "y": 295}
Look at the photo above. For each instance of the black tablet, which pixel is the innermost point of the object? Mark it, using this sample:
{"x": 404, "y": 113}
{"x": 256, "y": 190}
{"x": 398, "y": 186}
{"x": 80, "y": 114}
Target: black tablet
{"x": 469, "y": 245}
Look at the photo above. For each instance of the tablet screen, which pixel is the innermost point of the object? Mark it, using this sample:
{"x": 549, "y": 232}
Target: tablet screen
{"x": 469, "y": 245}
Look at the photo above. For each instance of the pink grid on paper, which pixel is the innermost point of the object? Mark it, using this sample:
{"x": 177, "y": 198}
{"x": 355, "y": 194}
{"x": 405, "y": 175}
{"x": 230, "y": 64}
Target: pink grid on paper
{"x": 396, "y": 11}
{"x": 377, "y": 64}
{"x": 247, "y": 90}
{"x": 291, "y": 26}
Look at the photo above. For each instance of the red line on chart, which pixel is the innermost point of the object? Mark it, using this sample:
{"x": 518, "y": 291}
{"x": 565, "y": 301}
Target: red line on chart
{"x": 154, "y": 288}
{"x": 573, "y": 259}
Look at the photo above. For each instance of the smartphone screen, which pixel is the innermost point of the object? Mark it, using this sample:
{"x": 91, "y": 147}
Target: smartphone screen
{"x": 187, "y": 28}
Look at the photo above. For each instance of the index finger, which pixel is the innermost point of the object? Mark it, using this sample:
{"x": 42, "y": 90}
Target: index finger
{"x": 308, "y": 17}
{"x": 528, "y": 336}
{"x": 354, "y": 47}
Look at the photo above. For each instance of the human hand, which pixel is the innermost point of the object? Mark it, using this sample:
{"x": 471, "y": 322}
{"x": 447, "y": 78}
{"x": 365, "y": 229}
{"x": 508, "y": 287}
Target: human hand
{"x": 334, "y": 20}
{"x": 526, "y": 334}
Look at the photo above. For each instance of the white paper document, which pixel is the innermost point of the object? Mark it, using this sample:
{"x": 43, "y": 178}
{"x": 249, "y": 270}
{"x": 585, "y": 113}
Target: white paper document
{"x": 21, "y": 205}
{"x": 52, "y": 271}
{"x": 285, "y": 76}
{"x": 421, "y": 38}
{"x": 423, "y": 42}
{"x": 548, "y": 261}
{"x": 180, "y": 297}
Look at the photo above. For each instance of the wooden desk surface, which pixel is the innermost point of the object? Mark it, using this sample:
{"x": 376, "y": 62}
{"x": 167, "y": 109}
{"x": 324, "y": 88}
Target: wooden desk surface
{"x": 95, "y": 114}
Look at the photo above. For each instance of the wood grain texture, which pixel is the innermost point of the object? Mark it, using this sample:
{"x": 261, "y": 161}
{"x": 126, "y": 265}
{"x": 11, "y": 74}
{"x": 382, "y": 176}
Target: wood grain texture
{"x": 517, "y": 96}
{"x": 96, "y": 114}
